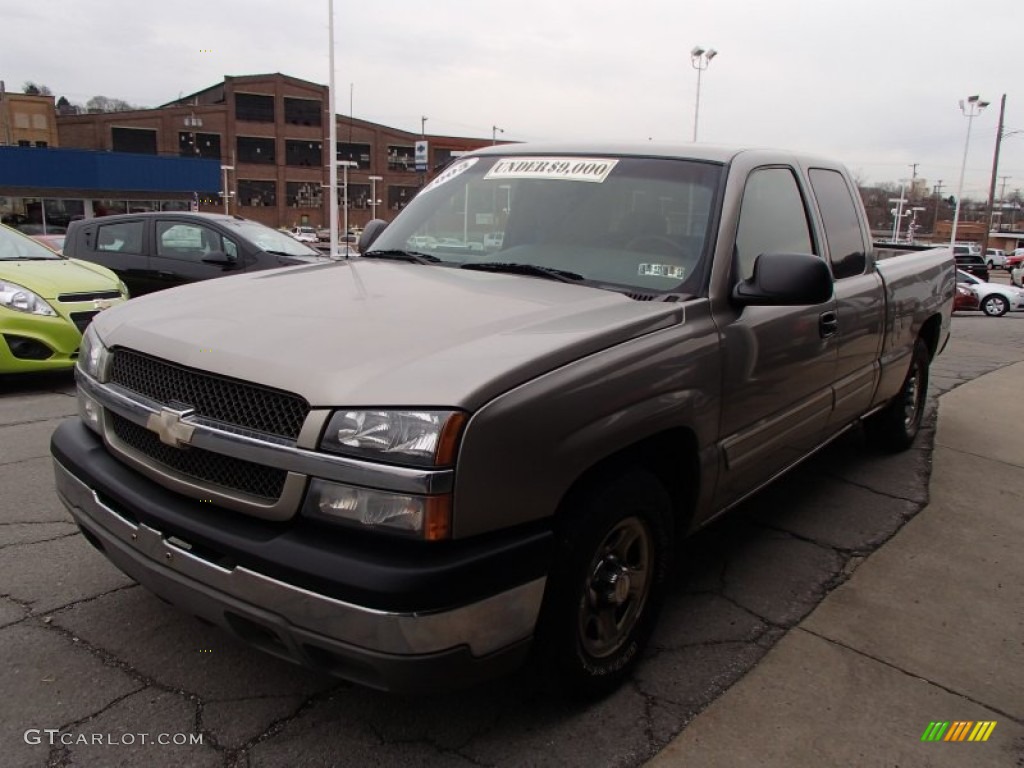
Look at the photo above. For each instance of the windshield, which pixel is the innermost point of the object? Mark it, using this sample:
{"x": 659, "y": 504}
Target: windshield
{"x": 633, "y": 224}
{"x": 14, "y": 246}
{"x": 270, "y": 240}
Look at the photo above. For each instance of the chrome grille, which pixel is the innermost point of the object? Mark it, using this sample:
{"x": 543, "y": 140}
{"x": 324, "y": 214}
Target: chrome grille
{"x": 226, "y": 400}
{"x": 198, "y": 464}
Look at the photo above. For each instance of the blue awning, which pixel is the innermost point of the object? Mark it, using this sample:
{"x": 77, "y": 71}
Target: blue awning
{"x": 47, "y": 168}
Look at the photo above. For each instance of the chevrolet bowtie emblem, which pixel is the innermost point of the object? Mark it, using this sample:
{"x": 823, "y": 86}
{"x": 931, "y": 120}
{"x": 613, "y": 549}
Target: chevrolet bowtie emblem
{"x": 169, "y": 426}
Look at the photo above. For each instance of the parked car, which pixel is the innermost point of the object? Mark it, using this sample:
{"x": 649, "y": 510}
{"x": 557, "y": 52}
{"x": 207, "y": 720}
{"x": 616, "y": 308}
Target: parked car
{"x": 1015, "y": 259}
{"x": 996, "y": 299}
{"x": 966, "y": 298}
{"x": 46, "y": 302}
{"x": 1017, "y": 275}
{"x": 305, "y": 234}
{"x": 493, "y": 240}
{"x": 152, "y": 251}
{"x": 502, "y": 463}
{"x": 995, "y": 257}
{"x": 970, "y": 261}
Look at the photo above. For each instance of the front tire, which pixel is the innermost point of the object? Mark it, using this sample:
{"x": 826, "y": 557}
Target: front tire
{"x": 995, "y": 305}
{"x": 895, "y": 427}
{"x": 606, "y": 583}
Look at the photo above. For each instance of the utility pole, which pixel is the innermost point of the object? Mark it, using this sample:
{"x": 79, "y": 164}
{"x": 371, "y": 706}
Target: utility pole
{"x": 913, "y": 179}
{"x": 938, "y": 191}
{"x": 995, "y": 171}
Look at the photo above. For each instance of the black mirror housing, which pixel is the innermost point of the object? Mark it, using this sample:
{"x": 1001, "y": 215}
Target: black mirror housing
{"x": 786, "y": 279}
{"x": 370, "y": 233}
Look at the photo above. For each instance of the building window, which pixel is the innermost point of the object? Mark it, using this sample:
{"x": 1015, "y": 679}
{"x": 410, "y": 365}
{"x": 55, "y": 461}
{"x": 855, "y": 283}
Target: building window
{"x": 141, "y": 141}
{"x": 252, "y": 149}
{"x": 24, "y": 143}
{"x": 303, "y": 153}
{"x": 192, "y": 144}
{"x": 254, "y": 107}
{"x": 401, "y": 158}
{"x": 359, "y": 196}
{"x": 399, "y": 197}
{"x": 257, "y": 193}
{"x": 303, "y": 111}
{"x": 42, "y": 144}
{"x": 355, "y": 153}
{"x": 304, "y": 194}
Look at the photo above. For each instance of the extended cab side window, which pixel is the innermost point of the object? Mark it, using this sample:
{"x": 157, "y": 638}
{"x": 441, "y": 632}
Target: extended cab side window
{"x": 121, "y": 236}
{"x": 186, "y": 241}
{"x": 846, "y": 247}
{"x": 773, "y": 218}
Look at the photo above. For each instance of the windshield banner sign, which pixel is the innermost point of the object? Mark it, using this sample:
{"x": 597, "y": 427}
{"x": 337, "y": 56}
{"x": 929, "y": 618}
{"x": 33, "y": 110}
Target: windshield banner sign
{"x": 594, "y": 169}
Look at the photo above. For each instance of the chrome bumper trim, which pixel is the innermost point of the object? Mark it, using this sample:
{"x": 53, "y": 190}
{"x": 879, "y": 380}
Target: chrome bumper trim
{"x": 271, "y": 450}
{"x": 485, "y": 626}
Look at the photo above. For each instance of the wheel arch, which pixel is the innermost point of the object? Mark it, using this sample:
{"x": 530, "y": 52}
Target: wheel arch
{"x": 671, "y": 455}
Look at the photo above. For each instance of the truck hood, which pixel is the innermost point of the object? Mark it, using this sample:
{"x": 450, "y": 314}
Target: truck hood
{"x": 53, "y": 277}
{"x": 376, "y": 333}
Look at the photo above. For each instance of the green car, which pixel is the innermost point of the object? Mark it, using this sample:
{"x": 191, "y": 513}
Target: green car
{"x": 46, "y": 302}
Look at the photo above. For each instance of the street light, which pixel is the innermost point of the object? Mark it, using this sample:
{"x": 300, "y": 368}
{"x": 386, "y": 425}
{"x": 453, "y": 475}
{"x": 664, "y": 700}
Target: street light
{"x": 495, "y": 130}
{"x": 897, "y": 212}
{"x": 225, "y": 169}
{"x": 373, "y": 195}
{"x": 699, "y": 60}
{"x": 973, "y": 107}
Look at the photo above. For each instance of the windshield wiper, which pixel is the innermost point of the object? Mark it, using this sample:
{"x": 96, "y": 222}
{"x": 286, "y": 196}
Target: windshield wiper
{"x": 415, "y": 257}
{"x": 526, "y": 269}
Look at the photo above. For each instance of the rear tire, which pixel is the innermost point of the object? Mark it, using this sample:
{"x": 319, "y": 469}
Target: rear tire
{"x": 894, "y": 427}
{"x": 606, "y": 584}
{"x": 995, "y": 305}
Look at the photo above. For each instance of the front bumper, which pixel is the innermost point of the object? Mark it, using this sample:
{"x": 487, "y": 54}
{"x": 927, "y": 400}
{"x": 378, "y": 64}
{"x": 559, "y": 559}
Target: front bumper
{"x": 402, "y": 650}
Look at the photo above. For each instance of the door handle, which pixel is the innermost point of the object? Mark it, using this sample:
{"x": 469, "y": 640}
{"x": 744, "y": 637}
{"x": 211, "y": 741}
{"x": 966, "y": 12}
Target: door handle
{"x": 828, "y": 324}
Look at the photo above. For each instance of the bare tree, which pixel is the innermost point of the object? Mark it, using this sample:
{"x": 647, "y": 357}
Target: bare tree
{"x": 106, "y": 104}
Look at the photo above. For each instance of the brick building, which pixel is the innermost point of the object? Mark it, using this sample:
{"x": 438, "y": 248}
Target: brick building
{"x": 269, "y": 134}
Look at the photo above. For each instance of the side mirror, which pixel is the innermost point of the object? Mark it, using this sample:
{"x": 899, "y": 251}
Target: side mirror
{"x": 220, "y": 258}
{"x": 785, "y": 279}
{"x": 370, "y": 233}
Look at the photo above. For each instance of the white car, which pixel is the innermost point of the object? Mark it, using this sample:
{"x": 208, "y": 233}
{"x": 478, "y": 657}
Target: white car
{"x": 305, "y": 234}
{"x": 995, "y": 257}
{"x": 996, "y": 299}
{"x": 1017, "y": 275}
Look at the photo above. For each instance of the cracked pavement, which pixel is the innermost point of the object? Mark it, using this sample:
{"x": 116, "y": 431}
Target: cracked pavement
{"x": 88, "y": 652}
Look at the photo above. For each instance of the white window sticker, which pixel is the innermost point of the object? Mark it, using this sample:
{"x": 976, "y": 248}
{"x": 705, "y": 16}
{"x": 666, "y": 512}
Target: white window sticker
{"x": 673, "y": 271}
{"x": 595, "y": 169}
{"x": 450, "y": 173}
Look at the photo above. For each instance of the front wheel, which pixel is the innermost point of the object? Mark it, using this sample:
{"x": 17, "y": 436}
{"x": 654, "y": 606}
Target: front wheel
{"x": 995, "y": 305}
{"x": 606, "y": 583}
{"x": 895, "y": 427}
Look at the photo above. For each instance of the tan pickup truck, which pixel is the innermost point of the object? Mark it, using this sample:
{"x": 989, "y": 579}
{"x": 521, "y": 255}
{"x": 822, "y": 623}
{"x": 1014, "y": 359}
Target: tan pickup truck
{"x": 425, "y": 465}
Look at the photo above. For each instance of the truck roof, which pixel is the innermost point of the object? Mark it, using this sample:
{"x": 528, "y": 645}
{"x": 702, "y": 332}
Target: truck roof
{"x": 714, "y": 153}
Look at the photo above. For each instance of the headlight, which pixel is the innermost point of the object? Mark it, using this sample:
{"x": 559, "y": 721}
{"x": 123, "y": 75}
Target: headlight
{"x": 92, "y": 355}
{"x": 421, "y": 517}
{"x": 20, "y": 299}
{"x": 419, "y": 438}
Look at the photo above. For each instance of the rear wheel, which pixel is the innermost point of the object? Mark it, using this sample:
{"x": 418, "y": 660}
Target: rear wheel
{"x": 606, "y": 583}
{"x": 995, "y": 305}
{"x": 895, "y": 426}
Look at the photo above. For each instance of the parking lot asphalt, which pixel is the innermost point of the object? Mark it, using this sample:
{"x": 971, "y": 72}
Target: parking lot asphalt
{"x": 832, "y": 617}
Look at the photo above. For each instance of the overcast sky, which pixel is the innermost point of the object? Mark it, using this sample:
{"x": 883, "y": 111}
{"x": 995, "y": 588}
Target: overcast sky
{"x": 874, "y": 84}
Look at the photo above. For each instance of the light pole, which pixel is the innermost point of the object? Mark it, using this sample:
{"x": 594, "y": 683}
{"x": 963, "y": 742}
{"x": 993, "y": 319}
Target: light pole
{"x": 971, "y": 109}
{"x": 225, "y": 169}
{"x": 699, "y": 60}
{"x": 373, "y": 195}
{"x": 495, "y": 130}
{"x": 897, "y": 212}
{"x": 345, "y": 165}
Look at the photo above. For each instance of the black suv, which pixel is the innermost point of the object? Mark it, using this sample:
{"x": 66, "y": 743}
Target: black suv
{"x": 970, "y": 261}
{"x": 151, "y": 251}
